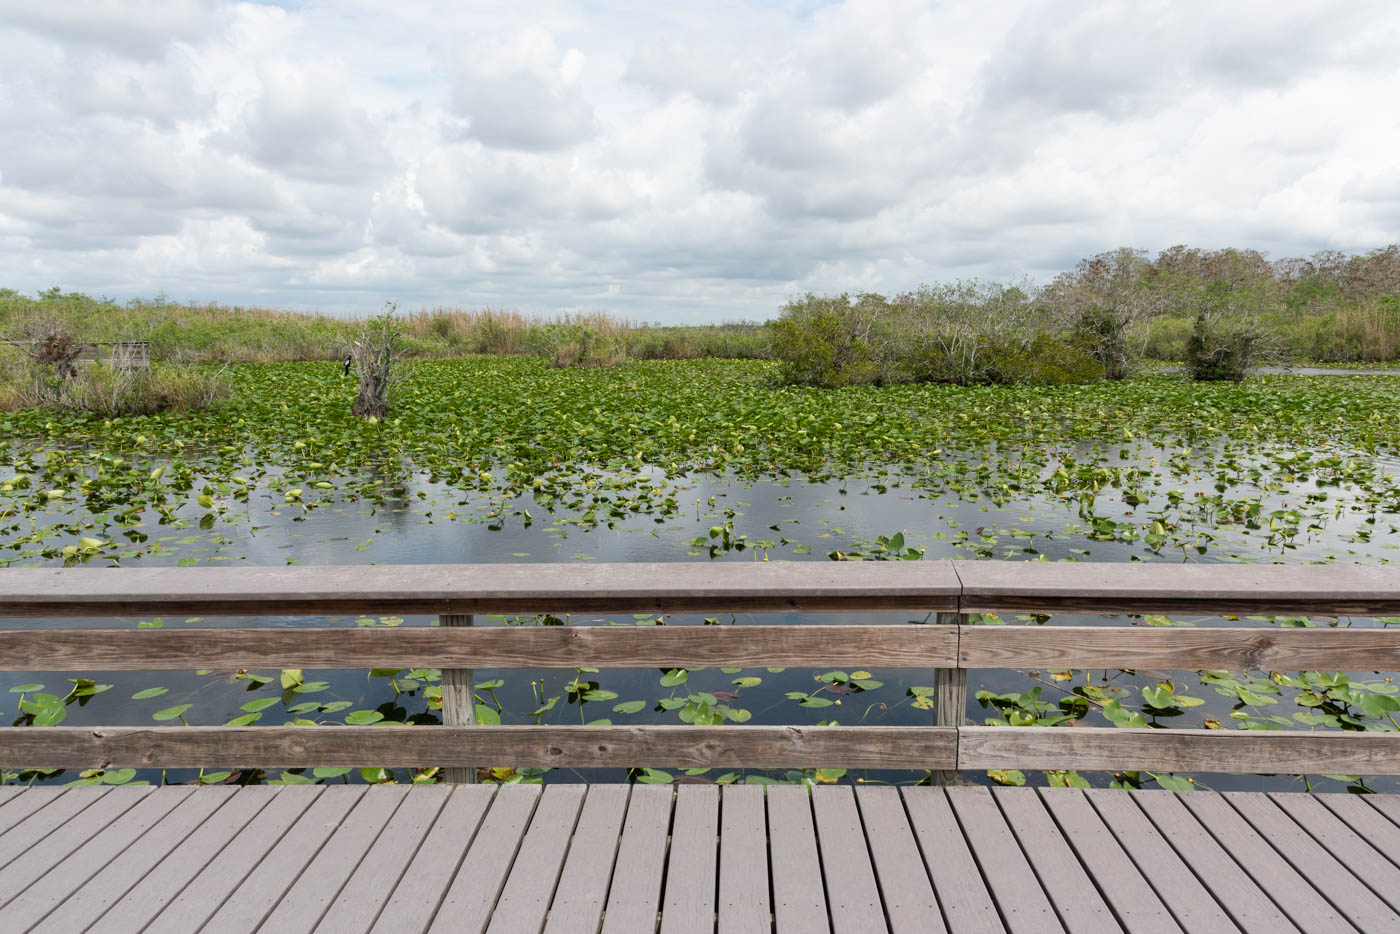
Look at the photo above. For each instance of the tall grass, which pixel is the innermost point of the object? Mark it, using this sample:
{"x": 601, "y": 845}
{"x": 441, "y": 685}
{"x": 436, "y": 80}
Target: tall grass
{"x": 235, "y": 334}
{"x": 109, "y": 391}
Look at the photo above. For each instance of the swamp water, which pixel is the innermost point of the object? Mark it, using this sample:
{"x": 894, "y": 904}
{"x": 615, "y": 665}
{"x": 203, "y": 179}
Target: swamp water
{"x": 1116, "y": 497}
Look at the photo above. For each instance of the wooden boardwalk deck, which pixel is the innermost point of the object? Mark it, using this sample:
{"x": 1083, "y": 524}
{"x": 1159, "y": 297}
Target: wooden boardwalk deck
{"x": 623, "y": 859}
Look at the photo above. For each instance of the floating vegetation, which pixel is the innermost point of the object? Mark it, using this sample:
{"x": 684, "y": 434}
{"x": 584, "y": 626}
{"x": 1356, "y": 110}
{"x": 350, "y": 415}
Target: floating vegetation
{"x": 509, "y": 459}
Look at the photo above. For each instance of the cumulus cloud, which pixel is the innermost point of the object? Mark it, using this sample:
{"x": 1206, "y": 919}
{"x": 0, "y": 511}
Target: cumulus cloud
{"x": 683, "y": 162}
{"x": 523, "y": 93}
{"x": 113, "y": 25}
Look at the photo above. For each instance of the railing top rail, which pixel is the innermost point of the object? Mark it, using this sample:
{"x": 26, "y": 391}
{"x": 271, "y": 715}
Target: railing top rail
{"x": 1137, "y": 587}
{"x": 950, "y": 586}
{"x": 480, "y": 588}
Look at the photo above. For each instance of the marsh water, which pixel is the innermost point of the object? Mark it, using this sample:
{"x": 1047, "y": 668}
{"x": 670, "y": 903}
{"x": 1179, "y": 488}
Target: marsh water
{"x": 779, "y": 519}
{"x": 507, "y": 460}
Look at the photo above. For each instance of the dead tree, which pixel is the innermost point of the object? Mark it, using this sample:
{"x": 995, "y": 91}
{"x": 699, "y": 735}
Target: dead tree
{"x": 372, "y": 352}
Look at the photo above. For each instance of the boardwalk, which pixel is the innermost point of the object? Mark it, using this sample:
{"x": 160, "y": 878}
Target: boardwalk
{"x": 618, "y": 858}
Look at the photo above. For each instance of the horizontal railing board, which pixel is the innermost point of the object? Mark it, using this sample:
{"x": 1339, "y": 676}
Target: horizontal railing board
{"x": 480, "y": 647}
{"x": 1142, "y": 587}
{"x": 1226, "y": 751}
{"x": 481, "y": 588}
{"x": 767, "y": 747}
{"x": 1060, "y": 647}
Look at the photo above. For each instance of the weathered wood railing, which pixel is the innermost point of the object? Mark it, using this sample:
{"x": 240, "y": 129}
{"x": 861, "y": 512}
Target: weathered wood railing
{"x": 949, "y": 589}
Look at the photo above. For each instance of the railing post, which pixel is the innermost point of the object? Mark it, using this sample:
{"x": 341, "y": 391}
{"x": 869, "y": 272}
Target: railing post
{"x": 950, "y": 699}
{"x": 458, "y": 709}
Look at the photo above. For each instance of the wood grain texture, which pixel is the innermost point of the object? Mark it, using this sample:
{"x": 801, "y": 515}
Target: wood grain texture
{"x": 481, "y": 588}
{"x": 799, "y": 897}
{"x": 957, "y": 881}
{"x": 368, "y": 891}
{"x": 852, "y": 747}
{"x": 460, "y": 647}
{"x": 1294, "y": 892}
{"x": 68, "y": 905}
{"x": 583, "y": 884}
{"x": 635, "y": 894}
{"x": 458, "y": 705}
{"x": 1249, "y": 907}
{"x": 467, "y": 906}
{"x": 1171, "y": 876}
{"x": 321, "y": 882}
{"x": 1026, "y": 909}
{"x": 1334, "y": 879}
{"x": 425, "y": 880}
{"x": 1147, "y": 587}
{"x": 529, "y": 889}
{"x": 1233, "y": 751}
{"x": 1060, "y": 647}
{"x": 909, "y": 902}
{"x": 1076, "y": 899}
{"x": 853, "y": 898}
{"x": 239, "y": 827}
{"x": 688, "y": 906}
{"x": 743, "y": 904}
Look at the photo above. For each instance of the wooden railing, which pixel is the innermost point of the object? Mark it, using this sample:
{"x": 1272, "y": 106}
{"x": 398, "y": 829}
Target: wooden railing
{"x": 949, "y": 589}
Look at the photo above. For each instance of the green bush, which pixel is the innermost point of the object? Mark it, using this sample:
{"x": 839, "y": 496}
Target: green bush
{"x": 1227, "y": 346}
{"x": 1167, "y": 337}
{"x": 831, "y": 341}
{"x": 1045, "y": 359}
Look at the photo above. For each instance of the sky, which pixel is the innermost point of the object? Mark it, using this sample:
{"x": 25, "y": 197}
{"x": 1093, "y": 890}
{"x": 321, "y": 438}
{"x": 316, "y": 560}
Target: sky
{"x": 674, "y": 162}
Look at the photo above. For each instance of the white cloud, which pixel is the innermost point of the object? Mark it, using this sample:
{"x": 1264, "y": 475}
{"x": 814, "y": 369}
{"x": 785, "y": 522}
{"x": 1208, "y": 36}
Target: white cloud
{"x": 682, "y": 162}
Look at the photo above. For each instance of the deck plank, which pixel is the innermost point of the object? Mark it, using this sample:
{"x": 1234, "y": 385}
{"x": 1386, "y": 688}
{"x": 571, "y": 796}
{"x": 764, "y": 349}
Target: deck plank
{"x": 83, "y": 905}
{"x": 421, "y": 888}
{"x": 367, "y": 891}
{"x": 278, "y": 872}
{"x": 910, "y": 905}
{"x": 1362, "y": 818}
{"x": 529, "y": 888}
{"x": 470, "y": 899}
{"x": 1071, "y": 891}
{"x": 635, "y": 896}
{"x": 1194, "y": 908}
{"x": 89, "y": 855}
{"x": 689, "y": 903}
{"x": 1132, "y": 898}
{"x": 231, "y": 840}
{"x": 1351, "y": 849}
{"x": 526, "y": 859}
{"x": 320, "y": 883}
{"x": 743, "y": 862}
{"x": 1023, "y": 904}
{"x": 47, "y": 819}
{"x": 799, "y": 898}
{"x": 21, "y": 806}
{"x": 55, "y": 846}
{"x": 852, "y": 895}
{"x": 957, "y": 881}
{"x": 1347, "y": 893}
{"x": 201, "y": 892}
{"x": 1247, "y": 904}
{"x": 583, "y": 885}
{"x": 1292, "y": 892}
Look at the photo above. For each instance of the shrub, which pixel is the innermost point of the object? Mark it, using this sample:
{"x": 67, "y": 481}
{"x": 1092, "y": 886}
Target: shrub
{"x": 113, "y": 391}
{"x": 1227, "y": 346}
{"x": 1167, "y": 337}
{"x": 589, "y": 348}
{"x": 1044, "y": 359}
{"x": 832, "y": 341}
